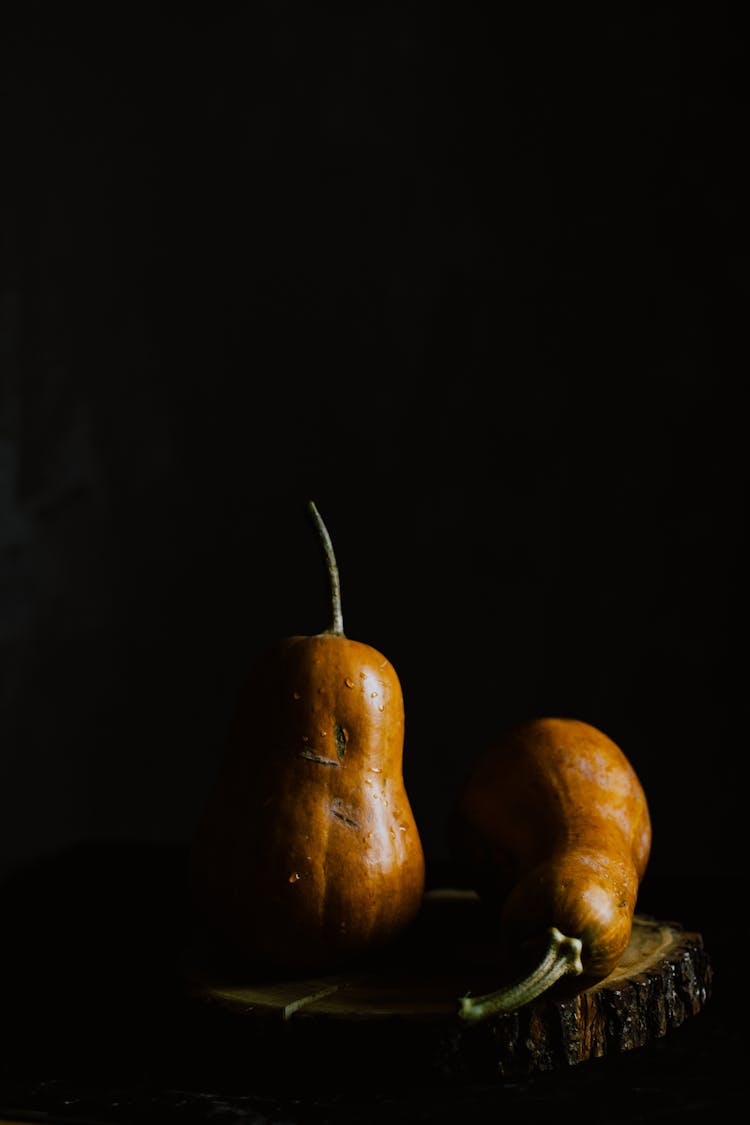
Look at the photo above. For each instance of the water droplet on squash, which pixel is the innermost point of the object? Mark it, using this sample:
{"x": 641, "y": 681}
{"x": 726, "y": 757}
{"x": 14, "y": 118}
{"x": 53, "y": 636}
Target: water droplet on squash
{"x": 296, "y": 695}
{"x": 349, "y": 682}
{"x": 294, "y": 877}
{"x": 375, "y": 769}
{"x": 368, "y": 781}
{"x": 373, "y": 695}
{"x": 323, "y": 733}
{"x": 402, "y": 828}
{"x": 381, "y": 707}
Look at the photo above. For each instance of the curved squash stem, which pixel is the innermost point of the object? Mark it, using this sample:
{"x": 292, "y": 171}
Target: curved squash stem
{"x": 337, "y": 620}
{"x": 563, "y": 956}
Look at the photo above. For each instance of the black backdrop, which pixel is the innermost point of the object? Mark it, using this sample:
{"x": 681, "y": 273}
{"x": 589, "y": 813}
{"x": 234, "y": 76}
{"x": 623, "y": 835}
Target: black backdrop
{"x": 471, "y": 279}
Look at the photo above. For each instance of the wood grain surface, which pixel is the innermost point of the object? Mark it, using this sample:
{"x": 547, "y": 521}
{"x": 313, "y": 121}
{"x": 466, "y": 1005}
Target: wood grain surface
{"x": 403, "y": 1005}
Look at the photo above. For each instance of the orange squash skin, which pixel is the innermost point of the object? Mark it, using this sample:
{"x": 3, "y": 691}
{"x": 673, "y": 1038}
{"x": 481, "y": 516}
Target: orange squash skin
{"x": 327, "y": 862}
{"x": 554, "y": 827}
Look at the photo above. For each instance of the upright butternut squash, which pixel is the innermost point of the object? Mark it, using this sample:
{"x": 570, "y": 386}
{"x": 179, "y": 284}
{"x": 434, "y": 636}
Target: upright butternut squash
{"x": 308, "y": 853}
{"x": 554, "y": 827}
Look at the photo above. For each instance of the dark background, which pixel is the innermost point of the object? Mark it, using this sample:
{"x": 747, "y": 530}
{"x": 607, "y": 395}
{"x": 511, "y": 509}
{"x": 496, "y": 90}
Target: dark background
{"x": 475, "y": 281}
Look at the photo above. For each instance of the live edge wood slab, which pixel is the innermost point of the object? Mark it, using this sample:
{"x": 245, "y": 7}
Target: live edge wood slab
{"x": 401, "y": 1009}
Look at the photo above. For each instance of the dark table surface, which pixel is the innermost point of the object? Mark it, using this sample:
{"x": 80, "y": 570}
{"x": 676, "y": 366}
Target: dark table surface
{"x": 95, "y": 1027}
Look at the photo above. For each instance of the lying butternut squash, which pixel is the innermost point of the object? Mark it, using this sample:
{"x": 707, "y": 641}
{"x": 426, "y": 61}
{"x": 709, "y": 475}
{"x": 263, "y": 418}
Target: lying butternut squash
{"x": 554, "y": 827}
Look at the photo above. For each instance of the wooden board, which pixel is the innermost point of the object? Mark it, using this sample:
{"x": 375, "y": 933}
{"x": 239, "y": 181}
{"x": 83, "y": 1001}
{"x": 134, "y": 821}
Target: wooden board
{"x": 403, "y": 1006}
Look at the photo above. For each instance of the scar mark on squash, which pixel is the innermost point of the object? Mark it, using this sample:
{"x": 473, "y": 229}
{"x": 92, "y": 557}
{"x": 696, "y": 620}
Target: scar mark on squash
{"x": 346, "y": 819}
{"x": 342, "y": 737}
{"x": 310, "y": 757}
